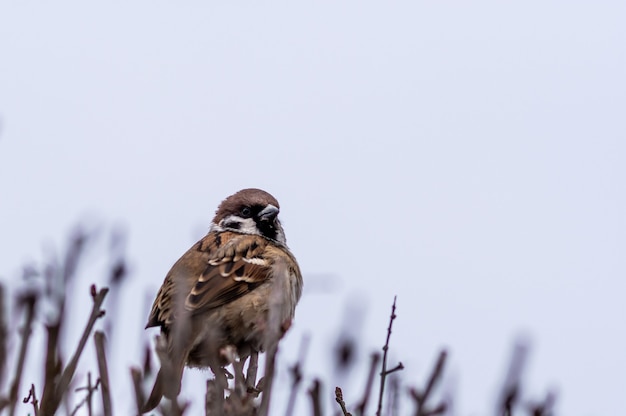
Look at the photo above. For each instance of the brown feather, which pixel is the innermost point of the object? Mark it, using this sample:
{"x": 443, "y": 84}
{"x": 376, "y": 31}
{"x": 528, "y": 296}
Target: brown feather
{"x": 209, "y": 276}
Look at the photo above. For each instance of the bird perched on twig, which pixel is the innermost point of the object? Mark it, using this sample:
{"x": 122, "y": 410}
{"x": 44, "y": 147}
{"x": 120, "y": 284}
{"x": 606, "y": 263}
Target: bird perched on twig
{"x": 233, "y": 293}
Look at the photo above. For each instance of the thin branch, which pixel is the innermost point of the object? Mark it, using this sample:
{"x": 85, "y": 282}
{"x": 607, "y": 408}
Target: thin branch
{"x": 53, "y": 367}
{"x": 421, "y": 397}
{"x": 393, "y": 395}
{"x": 135, "y": 374}
{"x": 396, "y": 368}
{"x": 342, "y": 403}
{"x": 3, "y": 336}
{"x": 240, "y": 381}
{"x": 384, "y": 373}
{"x": 270, "y": 366}
{"x": 98, "y": 338}
{"x": 253, "y": 366}
{"x": 88, "y": 398}
{"x": 370, "y": 383}
{"x": 296, "y": 374}
{"x": 314, "y": 394}
{"x": 51, "y": 405}
{"x": 275, "y": 330}
{"x": 544, "y": 408}
{"x": 32, "y": 397}
{"x": 30, "y": 301}
{"x": 511, "y": 386}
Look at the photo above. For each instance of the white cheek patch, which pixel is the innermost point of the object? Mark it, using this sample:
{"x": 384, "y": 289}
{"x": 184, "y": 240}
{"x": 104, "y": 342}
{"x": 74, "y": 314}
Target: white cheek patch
{"x": 242, "y": 225}
{"x": 248, "y": 226}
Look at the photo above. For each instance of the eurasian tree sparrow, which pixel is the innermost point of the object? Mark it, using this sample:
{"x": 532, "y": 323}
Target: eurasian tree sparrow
{"x": 229, "y": 292}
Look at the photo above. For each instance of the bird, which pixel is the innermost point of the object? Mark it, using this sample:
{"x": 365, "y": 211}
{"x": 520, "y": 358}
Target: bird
{"x": 233, "y": 293}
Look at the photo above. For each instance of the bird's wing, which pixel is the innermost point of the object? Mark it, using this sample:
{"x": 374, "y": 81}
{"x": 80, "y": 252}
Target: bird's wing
{"x": 235, "y": 268}
{"x": 217, "y": 270}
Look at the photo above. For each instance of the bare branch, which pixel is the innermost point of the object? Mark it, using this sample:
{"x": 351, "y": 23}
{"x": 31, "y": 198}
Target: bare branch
{"x": 51, "y": 404}
{"x": 398, "y": 367}
{"x": 383, "y": 373}
{"x": 544, "y": 408}
{"x": 296, "y": 374}
{"x": 511, "y": 386}
{"x": 98, "y": 338}
{"x": 29, "y": 300}
{"x": 3, "y": 336}
{"x": 32, "y": 397}
{"x": 88, "y": 398}
{"x": 370, "y": 383}
{"x": 421, "y": 397}
{"x": 342, "y": 404}
{"x": 135, "y": 373}
{"x": 275, "y": 330}
{"x": 314, "y": 394}
{"x": 253, "y": 366}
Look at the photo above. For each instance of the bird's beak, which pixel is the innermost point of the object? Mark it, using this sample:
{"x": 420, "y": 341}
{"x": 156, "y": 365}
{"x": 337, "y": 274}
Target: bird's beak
{"x": 268, "y": 213}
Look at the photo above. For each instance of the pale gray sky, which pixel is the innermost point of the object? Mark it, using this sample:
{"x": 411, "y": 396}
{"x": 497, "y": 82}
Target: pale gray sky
{"x": 467, "y": 156}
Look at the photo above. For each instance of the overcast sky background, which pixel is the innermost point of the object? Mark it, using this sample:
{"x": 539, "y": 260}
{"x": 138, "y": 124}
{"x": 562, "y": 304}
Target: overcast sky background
{"x": 468, "y": 156}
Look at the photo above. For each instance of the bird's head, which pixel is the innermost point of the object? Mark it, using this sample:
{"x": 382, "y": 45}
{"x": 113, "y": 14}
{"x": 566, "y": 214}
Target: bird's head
{"x": 250, "y": 211}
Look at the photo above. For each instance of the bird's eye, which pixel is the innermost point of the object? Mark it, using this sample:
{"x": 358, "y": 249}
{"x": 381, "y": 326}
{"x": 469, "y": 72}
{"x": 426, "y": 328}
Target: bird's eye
{"x": 246, "y": 212}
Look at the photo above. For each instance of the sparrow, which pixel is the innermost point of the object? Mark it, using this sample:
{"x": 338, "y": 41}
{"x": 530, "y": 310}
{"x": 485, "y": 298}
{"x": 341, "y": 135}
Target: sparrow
{"x": 231, "y": 294}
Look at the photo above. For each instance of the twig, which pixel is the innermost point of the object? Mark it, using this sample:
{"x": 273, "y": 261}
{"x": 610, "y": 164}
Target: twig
{"x": 314, "y": 394}
{"x": 253, "y": 366}
{"x": 98, "y": 338}
{"x": 3, "y": 336}
{"x": 384, "y": 373}
{"x": 545, "y": 407}
{"x": 32, "y": 397}
{"x": 420, "y": 397}
{"x": 53, "y": 367}
{"x": 511, "y": 386}
{"x": 52, "y": 404}
{"x": 396, "y": 368}
{"x": 240, "y": 380}
{"x": 29, "y": 300}
{"x": 296, "y": 374}
{"x": 270, "y": 366}
{"x": 88, "y": 398}
{"x": 370, "y": 383}
{"x": 393, "y": 396}
{"x": 342, "y": 404}
{"x": 135, "y": 374}
{"x": 273, "y": 334}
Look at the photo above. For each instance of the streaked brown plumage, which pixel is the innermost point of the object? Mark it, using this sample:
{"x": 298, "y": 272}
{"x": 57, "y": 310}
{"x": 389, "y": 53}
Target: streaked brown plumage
{"x": 222, "y": 292}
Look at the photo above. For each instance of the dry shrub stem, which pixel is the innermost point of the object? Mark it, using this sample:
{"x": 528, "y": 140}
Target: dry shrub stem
{"x": 3, "y": 337}
{"x": 32, "y": 397}
{"x": 375, "y": 359}
{"x": 105, "y": 390}
{"x": 51, "y": 404}
{"x": 384, "y": 372}
{"x": 135, "y": 374}
{"x": 421, "y": 397}
{"x": 243, "y": 398}
{"x": 509, "y": 394}
{"x": 316, "y": 400}
{"x": 29, "y": 301}
{"x": 270, "y": 366}
{"x": 253, "y": 366}
{"x": 88, "y": 398}
{"x": 296, "y": 375}
{"x": 342, "y": 403}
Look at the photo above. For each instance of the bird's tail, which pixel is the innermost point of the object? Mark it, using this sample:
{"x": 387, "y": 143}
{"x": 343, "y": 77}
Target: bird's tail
{"x": 155, "y": 395}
